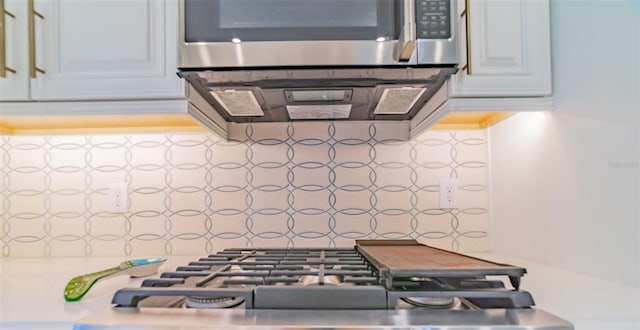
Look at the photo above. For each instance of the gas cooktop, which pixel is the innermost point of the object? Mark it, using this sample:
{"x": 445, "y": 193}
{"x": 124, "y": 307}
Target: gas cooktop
{"x": 388, "y": 281}
{"x": 373, "y": 275}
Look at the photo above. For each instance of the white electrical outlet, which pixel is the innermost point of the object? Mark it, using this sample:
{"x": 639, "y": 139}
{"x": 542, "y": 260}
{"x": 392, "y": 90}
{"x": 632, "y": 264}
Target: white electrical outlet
{"x": 118, "y": 197}
{"x": 448, "y": 193}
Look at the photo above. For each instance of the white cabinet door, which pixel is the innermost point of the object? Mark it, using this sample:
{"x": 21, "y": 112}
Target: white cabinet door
{"x": 106, "y": 50}
{"x": 14, "y": 86}
{"x": 509, "y": 49}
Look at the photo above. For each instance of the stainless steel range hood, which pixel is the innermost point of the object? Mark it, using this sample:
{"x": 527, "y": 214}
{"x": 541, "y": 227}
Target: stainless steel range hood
{"x": 278, "y": 61}
{"x": 281, "y": 95}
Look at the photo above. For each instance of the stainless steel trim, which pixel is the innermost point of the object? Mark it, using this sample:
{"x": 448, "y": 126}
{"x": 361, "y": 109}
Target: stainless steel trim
{"x": 406, "y": 46}
{"x": 289, "y": 53}
{"x": 3, "y": 41}
{"x": 171, "y": 318}
{"x": 33, "y": 68}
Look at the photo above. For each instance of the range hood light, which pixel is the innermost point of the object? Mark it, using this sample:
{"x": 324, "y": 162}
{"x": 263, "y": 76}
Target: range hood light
{"x": 236, "y": 40}
{"x": 316, "y": 95}
{"x": 381, "y": 39}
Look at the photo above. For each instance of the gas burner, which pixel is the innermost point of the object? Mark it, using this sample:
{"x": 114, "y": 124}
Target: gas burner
{"x": 317, "y": 280}
{"x": 432, "y": 302}
{"x": 209, "y": 302}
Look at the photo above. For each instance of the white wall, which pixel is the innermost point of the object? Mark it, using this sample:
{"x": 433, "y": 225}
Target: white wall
{"x": 565, "y": 184}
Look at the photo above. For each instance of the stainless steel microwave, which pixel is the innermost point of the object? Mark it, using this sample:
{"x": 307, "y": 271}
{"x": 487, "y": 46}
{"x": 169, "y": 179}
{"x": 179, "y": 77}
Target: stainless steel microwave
{"x": 317, "y": 33}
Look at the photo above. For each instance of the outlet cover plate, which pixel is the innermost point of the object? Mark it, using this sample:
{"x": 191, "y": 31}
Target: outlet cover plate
{"x": 448, "y": 193}
{"x": 118, "y": 197}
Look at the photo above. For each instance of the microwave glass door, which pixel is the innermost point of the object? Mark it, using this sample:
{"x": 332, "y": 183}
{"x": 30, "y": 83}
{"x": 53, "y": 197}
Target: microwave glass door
{"x": 291, "y": 20}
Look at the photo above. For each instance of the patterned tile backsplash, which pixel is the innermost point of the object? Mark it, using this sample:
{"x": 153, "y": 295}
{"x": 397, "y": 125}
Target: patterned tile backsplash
{"x": 295, "y": 185}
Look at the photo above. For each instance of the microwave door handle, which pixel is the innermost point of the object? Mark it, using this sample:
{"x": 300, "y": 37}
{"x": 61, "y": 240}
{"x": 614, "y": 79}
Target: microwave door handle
{"x": 407, "y": 42}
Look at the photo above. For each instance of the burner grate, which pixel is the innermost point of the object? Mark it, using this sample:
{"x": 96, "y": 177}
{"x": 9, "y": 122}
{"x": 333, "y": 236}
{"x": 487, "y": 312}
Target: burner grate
{"x": 313, "y": 279}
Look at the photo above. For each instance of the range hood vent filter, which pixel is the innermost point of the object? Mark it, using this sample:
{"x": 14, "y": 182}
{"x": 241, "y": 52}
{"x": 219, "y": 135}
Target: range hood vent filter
{"x": 398, "y": 100}
{"x": 238, "y": 103}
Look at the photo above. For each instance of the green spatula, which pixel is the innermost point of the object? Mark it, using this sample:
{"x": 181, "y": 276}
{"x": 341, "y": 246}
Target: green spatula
{"x": 80, "y": 285}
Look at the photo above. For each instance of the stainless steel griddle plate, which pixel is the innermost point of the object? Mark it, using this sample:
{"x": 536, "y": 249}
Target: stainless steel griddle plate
{"x": 408, "y": 258}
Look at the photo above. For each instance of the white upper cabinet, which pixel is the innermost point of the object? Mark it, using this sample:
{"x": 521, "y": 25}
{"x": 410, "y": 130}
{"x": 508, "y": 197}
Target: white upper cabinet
{"x": 508, "y": 49}
{"x": 93, "y": 50}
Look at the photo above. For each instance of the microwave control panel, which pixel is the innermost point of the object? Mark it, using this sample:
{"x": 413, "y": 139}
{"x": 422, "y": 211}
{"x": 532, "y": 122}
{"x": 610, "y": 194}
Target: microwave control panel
{"x": 433, "y": 19}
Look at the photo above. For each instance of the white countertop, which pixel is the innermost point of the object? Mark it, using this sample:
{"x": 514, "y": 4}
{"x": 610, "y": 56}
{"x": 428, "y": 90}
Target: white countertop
{"x": 587, "y": 302}
{"x": 31, "y": 292}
